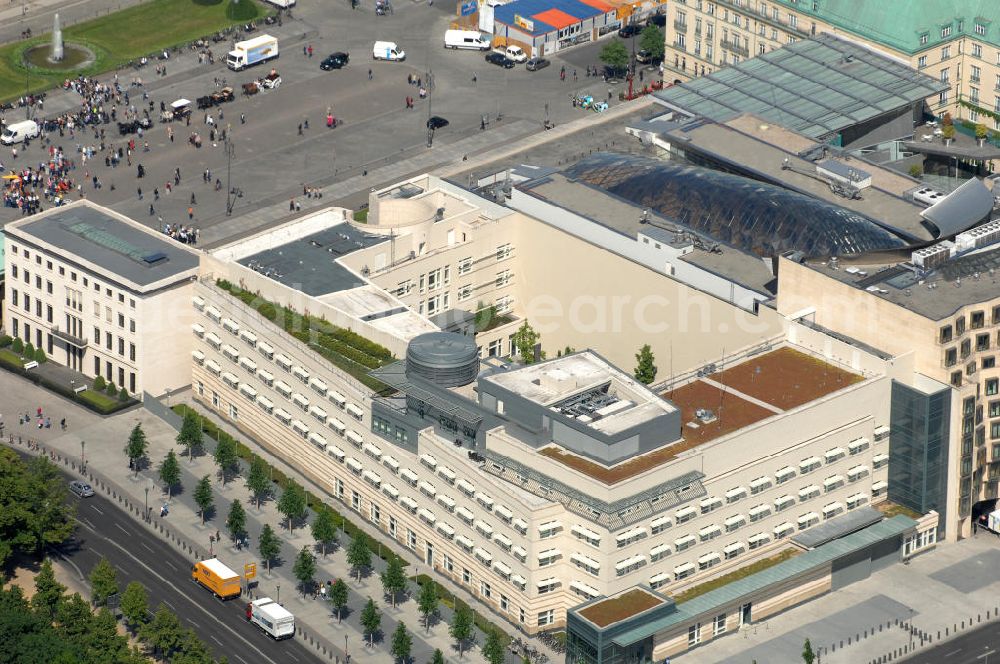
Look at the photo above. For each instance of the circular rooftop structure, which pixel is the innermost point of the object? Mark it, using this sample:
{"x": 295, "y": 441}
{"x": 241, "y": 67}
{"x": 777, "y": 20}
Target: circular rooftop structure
{"x": 443, "y": 358}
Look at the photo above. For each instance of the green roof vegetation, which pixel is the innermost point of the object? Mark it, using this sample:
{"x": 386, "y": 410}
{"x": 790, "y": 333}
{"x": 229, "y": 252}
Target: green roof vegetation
{"x": 900, "y": 24}
{"x": 890, "y": 509}
{"x": 343, "y": 348}
{"x": 741, "y": 573}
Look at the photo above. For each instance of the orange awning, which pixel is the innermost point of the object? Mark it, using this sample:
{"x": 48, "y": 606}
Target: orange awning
{"x": 556, "y": 18}
{"x": 598, "y": 4}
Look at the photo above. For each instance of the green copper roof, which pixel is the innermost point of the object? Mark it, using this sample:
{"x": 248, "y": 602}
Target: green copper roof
{"x": 899, "y": 24}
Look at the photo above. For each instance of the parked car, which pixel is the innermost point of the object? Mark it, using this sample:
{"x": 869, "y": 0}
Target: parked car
{"x": 81, "y": 488}
{"x": 500, "y": 60}
{"x": 647, "y": 58}
{"x": 436, "y": 122}
{"x": 629, "y": 31}
{"x": 334, "y": 61}
{"x": 534, "y": 64}
{"x": 659, "y": 20}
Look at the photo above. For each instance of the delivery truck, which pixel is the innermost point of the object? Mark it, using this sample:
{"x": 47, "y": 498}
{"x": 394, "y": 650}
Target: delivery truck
{"x": 252, "y": 52}
{"x": 272, "y": 618}
{"x": 214, "y": 575}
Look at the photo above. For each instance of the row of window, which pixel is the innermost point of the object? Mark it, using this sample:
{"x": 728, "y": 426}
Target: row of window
{"x": 16, "y": 250}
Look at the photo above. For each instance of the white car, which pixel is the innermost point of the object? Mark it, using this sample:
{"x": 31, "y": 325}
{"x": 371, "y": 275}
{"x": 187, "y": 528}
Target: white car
{"x": 81, "y": 488}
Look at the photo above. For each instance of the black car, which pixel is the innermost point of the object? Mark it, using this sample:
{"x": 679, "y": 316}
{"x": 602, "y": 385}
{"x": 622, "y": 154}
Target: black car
{"x": 500, "y": 60}
{"x": 436, "y": 122}
{"x": 659, "y": 20}
{"x": 534, "y": 64}
{"x": 629, "y": 31}
{"x": 334, "y": 61}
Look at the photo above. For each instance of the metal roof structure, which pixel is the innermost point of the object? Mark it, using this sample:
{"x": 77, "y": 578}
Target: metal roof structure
{"x": 756, "y": 217}
{"x": 731, "y": 593}
{"x": 962, "y": 209}
{"x": 837, "y": 527}
{"x": 818, "y": 86}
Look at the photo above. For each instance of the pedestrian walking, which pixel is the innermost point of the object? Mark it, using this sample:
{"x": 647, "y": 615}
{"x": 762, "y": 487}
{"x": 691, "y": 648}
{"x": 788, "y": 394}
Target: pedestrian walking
{"x": 193, "y": 201}
{"x": 156, "y": 194}
{"x": 190, "y": 213}
{"x": 370, "y": 76}
{"x": 151, "y": 211}
{"x": 304, "y": 51}
{"x": 300, "y": 129}
{"x": 243, "y": 119}
{"x": 310, "y": 50}
{"x": 139, "y": 192}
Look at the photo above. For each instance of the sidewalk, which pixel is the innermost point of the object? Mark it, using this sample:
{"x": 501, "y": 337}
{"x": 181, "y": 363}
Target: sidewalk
{"x": 376, "y": 535}
{"x": 107, "y": 470}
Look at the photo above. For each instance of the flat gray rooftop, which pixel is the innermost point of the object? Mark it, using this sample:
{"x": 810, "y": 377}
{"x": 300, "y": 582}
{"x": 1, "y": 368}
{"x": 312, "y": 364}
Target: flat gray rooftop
{"x": 960, "y": 282}
{"x": 139, "y": 256}
{"x": 818, "y": 86}
{"x": 310, "y": 265}
{"x": 758, "y": 149}
{"x": 837, "y": 527}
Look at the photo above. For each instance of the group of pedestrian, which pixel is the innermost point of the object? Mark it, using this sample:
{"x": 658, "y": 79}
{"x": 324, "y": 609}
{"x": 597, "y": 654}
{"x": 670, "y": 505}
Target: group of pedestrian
{"x": 183, "y": 234}
{"x": 50, "y": 181}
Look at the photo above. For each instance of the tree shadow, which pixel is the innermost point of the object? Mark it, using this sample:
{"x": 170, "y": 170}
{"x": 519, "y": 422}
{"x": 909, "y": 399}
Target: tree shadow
{"x": 376, "y": 638}
{"x": 209, "y": 514}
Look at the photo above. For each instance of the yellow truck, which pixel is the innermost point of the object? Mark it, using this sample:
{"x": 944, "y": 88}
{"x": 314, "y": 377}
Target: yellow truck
{"x": 222, "y": 581}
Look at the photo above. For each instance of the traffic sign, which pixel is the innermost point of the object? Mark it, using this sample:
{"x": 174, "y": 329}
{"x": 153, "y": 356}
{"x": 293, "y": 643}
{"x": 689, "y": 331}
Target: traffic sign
{"x": 250, "y": 571}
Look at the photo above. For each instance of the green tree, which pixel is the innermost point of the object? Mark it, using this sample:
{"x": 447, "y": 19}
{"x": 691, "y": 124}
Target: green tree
{"x": 652, "y": 41}
{"x": 170, "y": 472}
{"x": 49, "y": 593}
{"x": 359, "y": 554}
{"x": 123, "y": 394}
{"x": 461, "y": 628}
{"x": 371, "y": 620}
{"x": 258, "y": 480}
{"x": 99, "y": 383}
{"x": 304, "y": 569}
{"x": 203, "y": 496}
{"x": 102, "y": 637}
{"x": 269, "y": 546}
{"x": 339, "y": 596}
{"x": 236, "y": 522}
{"x": 189, "y": 437}
{"x": 111, "y": 390}
{"x": 135, "y": 604}
{"x": 438, "y": 657}
{"x": 292, "y": 504}
{"x": 393, "y": 579}
{"x": 493, "y": 649}
{"x": 807, "y": 653}
{"x": 525, "y": 340}
{"x": 40, "y": 356}
{"x": 645, "y": 369}
{"x": 34, "y": 512}
{"x": 324, "y": 529}
{"x": 73, "y": 616}
{"x": 402, "y": 643}
{"x": 163, "y": 633}
{"x": 18, "y": 347}
{"x": 226, "y": 457}
{"x": 103, "y": 581}
{"x": 29, "y": 351}
{"x": 427, "y": 601}
{"x": 615, "y": 55}
{"x": 135, "y": 448}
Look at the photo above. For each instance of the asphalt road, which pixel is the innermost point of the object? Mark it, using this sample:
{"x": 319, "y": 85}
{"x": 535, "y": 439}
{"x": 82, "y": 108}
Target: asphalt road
{"x": 106, "y": 531}
{"x": 980, "y": 646}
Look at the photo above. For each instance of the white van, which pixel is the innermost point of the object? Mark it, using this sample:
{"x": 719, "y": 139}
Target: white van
{"x": 468, "y": 39}
{"x": 18, "y": 132}
{"x": 387, "y": 50}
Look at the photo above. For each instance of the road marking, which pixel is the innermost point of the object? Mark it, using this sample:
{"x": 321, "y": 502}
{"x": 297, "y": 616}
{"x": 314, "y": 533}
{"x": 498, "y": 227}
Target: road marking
{"x": 211, "y": 616}
{"x": 292, "y": 656}
{"x": 71, "y": 564}
{"x": 216, "y": 640}
{"x": 953, "y": 652}
{"x": 986, "y": 654}
{"x": 241, "y": 659}
{"x": 193, "y": 622}
{"x": 172, "y": 607}
{"x": 148, "y": 548}
{"x": 123, "y": 530}
{"x": 96, "y": 508}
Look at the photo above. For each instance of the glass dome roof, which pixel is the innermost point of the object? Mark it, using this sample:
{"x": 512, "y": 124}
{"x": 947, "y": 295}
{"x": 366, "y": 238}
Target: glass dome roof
{"x": 756, "y": 217}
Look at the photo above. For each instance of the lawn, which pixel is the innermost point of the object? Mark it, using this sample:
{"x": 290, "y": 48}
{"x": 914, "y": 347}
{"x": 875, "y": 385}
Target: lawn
{"x": 99, "y": 399}
{"x": 10, "y": 357}
{"x": 127, "y": 35}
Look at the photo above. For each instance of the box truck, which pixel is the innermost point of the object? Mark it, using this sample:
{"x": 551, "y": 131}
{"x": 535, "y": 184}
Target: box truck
{"x": 272, "y": 618}
{"x": 222, "y": 581}
{"x": 252, "y": 52}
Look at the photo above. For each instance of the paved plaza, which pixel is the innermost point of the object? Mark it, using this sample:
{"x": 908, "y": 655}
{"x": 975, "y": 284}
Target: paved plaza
{"x": 379, "y": 142}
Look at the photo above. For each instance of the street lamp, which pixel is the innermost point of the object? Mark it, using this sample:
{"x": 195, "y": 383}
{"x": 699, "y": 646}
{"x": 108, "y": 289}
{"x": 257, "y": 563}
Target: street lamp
{"x": 145, "y": 514}
{"x": 83, "y": 458}
{"x": 277, "y": 595}
{"x": 347, "y": 655}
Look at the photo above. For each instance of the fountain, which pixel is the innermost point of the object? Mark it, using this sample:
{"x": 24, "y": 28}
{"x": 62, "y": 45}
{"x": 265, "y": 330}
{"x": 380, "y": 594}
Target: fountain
{"x": 57, "y": 55}
{"x": 57, "y": 41}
